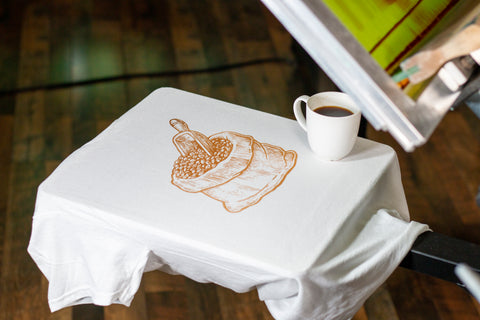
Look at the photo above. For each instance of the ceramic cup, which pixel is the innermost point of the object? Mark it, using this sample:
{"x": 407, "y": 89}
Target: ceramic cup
{"x": 331, "y": 122}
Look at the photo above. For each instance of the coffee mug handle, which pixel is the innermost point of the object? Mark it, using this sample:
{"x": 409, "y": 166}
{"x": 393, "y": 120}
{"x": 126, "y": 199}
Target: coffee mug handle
{"x": 297, "y": 110}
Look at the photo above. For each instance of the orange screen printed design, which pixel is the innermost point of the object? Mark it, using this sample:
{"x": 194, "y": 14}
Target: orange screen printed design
{"x": 230, "y": 167}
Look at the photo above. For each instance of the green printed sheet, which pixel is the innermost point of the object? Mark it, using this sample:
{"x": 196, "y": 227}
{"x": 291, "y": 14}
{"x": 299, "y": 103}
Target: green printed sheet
{"x": 390, "y": 29}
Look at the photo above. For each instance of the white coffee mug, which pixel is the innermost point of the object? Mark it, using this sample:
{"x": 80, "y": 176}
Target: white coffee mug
{"x": 330, "y": 136}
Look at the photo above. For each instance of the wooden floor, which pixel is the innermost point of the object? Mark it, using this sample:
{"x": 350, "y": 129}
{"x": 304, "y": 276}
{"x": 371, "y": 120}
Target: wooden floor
{"x": 56, "y": 42}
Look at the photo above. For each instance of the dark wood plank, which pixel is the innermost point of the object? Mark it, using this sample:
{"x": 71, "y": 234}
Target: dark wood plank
{"x": 20, "y": 278}
{"x": 58, "y": 124}
{"x": 409, "y": 296}
{"x": 360, "y": 315}
{"x": 380, "y": 305}
{"x": 106, "y": 59}
{"x": 33, "y": 70}
{"x": 202, "y": 301}
{"x": 6, "y": 137}
{"x": 68, "y": 62}
{"x": 80, "y": 57}
{"x": 10, "y": 39}
{"x": 147, "y": 46}
{"x": 452, "y": 302}
{"x": 157, "y": 281}
{"x": 29, "y": 140}
{"x": 461, "y": 147}
{"x": 87, "y": 312}
{"x": 136, "y": 311}
{"x": 62, "y": 13}
{"x": 230, "y": 28}
{"x": 147, "y": 40}
{"x": 167, "y": 305}
{"x": 247, "y": 36}
{"x": 242, "y": 306}
{"x": 97, "y": 53}
{"x": 214, "y": 49}
{"x": 84, "y": 127}
{"x": 188, "y": 47}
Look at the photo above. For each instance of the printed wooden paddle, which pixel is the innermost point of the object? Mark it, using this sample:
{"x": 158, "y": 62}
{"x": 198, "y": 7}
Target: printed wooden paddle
{"x": 425, "y": 64}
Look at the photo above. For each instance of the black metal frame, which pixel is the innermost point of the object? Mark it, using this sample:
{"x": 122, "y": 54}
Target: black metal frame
{"x": 437, "y": 255}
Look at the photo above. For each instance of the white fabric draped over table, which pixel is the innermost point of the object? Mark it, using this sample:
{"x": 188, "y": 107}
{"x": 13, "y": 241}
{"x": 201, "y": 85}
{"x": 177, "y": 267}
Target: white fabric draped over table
{"x": 315, "y": 238}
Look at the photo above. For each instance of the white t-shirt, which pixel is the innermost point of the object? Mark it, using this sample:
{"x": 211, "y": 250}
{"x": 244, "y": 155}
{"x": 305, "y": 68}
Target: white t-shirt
{"x": 308, "y": 234}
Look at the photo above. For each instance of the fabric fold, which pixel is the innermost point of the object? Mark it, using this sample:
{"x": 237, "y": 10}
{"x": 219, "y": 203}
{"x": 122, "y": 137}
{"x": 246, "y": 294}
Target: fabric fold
{"x": 85, "y": 262}
{"x": 337, "y": 288}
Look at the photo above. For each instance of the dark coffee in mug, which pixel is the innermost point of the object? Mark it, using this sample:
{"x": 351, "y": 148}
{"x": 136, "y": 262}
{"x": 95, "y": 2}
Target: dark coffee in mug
{"x": 333, "y": 111}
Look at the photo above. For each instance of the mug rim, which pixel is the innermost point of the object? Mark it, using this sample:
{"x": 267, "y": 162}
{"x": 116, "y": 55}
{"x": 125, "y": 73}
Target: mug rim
{"x": 351, "y": 105}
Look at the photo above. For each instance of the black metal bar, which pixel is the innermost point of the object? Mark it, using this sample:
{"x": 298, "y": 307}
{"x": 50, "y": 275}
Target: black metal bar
{"x": 438, "y": 255}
